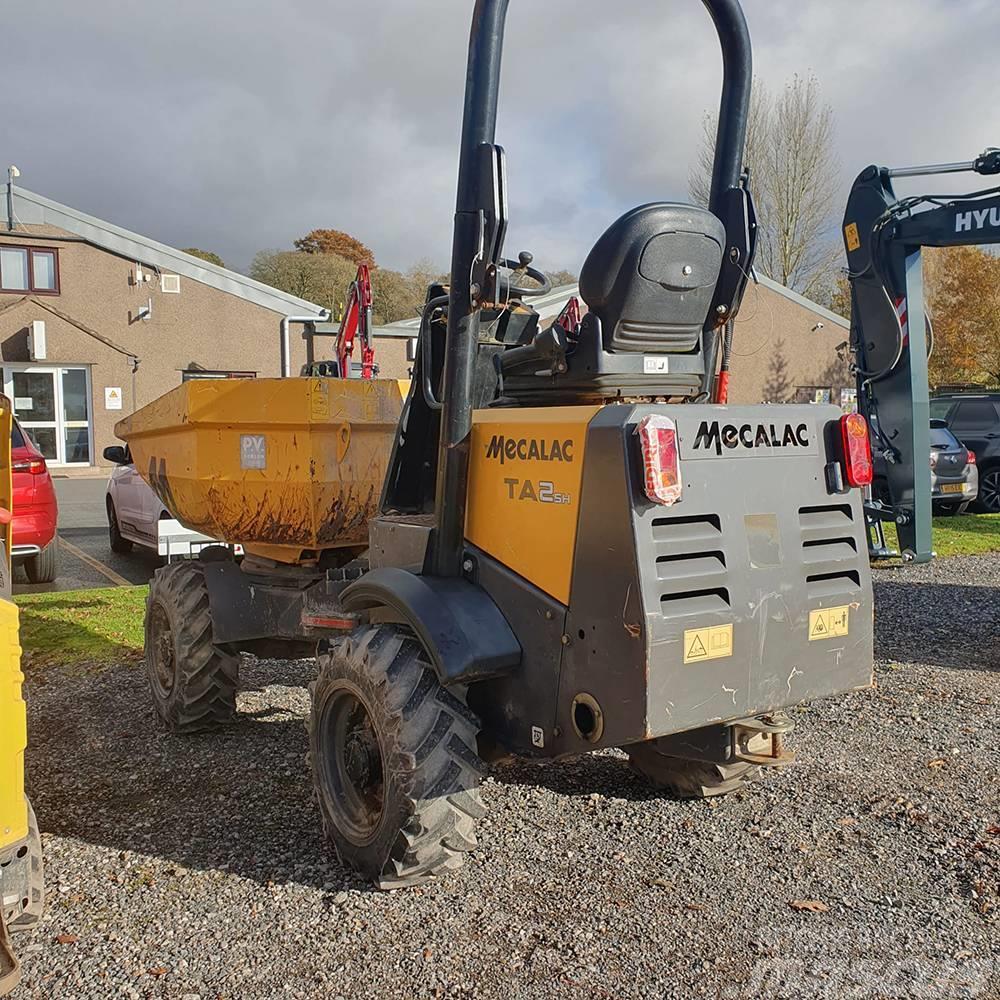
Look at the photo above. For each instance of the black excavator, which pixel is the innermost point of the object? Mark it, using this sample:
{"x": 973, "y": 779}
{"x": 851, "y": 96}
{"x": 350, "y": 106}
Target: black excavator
{"x": 883, "y": 237}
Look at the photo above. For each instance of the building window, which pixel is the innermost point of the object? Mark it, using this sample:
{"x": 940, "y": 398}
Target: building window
{"x": 29, "y": 269}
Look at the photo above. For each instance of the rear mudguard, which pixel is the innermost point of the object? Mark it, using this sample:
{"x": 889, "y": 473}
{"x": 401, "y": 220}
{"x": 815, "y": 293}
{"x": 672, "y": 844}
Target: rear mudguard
{"x": 456, "y": 622}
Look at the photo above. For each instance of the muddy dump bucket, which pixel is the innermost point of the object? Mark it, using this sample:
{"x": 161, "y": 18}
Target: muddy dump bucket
{"x": 286, "y": 467}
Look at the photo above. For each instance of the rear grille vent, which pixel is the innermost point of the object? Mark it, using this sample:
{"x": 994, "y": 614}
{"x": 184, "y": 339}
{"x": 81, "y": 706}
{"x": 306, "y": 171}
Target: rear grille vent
{"x": 829, "y": 551}
{"x": 690, "y": 565}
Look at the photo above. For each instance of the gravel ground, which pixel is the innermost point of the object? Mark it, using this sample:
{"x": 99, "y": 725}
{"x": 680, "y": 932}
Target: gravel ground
{"x": 194, "y": 868}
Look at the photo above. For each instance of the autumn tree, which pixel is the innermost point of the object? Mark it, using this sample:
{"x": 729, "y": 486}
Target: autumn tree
{"x": 340, "y": 244}
{"x": 559, "y": 278}
{"x": 794, "y": 177}
{"x": 212, "y": 258}
{"x": 963, "y": 290}
{"x": 320, "y": 278}
{"x": 840, "y": 297}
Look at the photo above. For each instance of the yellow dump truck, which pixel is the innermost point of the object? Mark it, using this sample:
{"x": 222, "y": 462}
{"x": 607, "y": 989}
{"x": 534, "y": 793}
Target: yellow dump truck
{"x": 21, "y": 884}
{"x": 560, "y": 541}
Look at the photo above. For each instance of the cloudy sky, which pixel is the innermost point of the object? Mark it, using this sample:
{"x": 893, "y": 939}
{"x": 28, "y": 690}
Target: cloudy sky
{"x": 240, "y": 126}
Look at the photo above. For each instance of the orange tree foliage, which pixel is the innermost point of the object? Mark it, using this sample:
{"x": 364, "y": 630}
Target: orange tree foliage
{"x": 963, "y": 289}
{"x": 338, "y": 243}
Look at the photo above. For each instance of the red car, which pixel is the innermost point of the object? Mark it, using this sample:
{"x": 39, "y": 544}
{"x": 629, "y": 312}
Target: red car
{"x": 35, "y": 544}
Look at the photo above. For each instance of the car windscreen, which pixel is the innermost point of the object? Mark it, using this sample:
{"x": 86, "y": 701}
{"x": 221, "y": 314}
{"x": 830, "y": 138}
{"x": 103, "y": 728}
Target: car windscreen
{"x": 16, "y": 437}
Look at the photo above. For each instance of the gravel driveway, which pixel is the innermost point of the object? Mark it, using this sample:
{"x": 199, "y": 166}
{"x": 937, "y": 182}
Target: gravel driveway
{"x": 194, "y": 868}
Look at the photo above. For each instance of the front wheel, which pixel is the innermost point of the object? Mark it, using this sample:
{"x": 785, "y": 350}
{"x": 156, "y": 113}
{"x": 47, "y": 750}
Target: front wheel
{"x": 192, "y": 680}
{"x": 119, "y": 543}
{"x": 988, "y": 501}
{"x": 394, "y": 759}
{"x": 44, "y": 567}
{"x": 688, "y": 779}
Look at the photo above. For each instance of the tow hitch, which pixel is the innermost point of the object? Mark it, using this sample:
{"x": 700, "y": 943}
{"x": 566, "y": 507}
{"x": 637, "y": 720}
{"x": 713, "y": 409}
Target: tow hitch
{"x": 761, "y": 740}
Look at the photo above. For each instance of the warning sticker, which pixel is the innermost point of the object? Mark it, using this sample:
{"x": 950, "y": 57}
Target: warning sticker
{"x": 852, "y": 237}
{"x": 829, "y": 623}
{"x": 708, "y": 643}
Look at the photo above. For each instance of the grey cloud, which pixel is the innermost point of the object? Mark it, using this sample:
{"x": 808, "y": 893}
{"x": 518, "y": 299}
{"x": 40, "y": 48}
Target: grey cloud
{"x": 238, "y": 127}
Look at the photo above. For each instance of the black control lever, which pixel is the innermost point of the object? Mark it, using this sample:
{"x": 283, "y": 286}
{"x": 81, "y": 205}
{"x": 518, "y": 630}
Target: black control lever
{"x": 545, "y": 355}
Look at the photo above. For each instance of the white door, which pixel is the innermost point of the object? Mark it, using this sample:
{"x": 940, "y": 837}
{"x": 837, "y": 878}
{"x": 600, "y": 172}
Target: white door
{"x": 53, "y": 406}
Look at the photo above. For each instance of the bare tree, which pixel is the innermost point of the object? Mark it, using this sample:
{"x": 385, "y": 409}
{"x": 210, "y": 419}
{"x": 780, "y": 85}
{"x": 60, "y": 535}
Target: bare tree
{"x": 794, "y": 175}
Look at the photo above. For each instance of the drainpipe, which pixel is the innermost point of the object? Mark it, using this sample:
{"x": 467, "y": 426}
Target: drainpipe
{"x": 286, "y": 343}
{"x": 12, "y": 172}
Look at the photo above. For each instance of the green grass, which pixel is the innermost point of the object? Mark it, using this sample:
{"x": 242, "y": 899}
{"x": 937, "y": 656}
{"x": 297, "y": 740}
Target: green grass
{"x": 968, "y": 535}
{"x": 85, "y": 628}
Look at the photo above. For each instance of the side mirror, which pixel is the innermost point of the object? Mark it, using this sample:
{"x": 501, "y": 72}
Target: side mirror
{"x": 118, "y": 455}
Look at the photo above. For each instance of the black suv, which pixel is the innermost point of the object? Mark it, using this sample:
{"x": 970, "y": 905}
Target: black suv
{"x": 975, "y": 421}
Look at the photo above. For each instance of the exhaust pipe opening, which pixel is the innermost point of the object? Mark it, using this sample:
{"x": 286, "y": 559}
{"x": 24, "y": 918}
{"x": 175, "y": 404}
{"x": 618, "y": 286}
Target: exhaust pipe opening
{"x": 588, "y": 719}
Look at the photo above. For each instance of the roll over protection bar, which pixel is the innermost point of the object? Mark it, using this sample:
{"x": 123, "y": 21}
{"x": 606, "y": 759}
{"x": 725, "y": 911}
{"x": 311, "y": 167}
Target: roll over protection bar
{"x": 480, "y": 226}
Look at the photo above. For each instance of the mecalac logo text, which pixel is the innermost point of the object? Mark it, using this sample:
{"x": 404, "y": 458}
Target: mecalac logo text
{"x": 508, "y": 449}
{"x": 765, "y": 437}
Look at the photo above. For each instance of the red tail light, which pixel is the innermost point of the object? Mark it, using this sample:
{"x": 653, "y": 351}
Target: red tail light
{"x": 36, "y": 466}
{"x": 970, "y": 457}
{"x": 660, "y": 459}
{"x": 857, "y": 449}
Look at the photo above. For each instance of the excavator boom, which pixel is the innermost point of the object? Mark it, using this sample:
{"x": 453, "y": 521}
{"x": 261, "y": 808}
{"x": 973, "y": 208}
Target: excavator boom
{"x": 883, "y": 237}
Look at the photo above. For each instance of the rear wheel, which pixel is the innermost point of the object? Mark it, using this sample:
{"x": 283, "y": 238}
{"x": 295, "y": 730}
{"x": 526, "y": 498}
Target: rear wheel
{"x": 44, "y": 567}
{"x": 118, "y": 542}
{"x": 989, "y": 490}
{"x": 22, "y": 881}
{"x": 393, "y": 760}
{"x": 688, "y": 779}
{"x": 193, "y": 681}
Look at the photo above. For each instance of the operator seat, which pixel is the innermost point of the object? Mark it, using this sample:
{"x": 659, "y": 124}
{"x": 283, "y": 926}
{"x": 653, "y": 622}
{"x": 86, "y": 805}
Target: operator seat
{"x": 651, "y": 277}
{"x": 649, "y": 284}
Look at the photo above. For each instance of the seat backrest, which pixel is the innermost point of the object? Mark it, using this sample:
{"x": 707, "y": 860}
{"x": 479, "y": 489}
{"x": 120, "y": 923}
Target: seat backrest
{"x": 651, "y": 277}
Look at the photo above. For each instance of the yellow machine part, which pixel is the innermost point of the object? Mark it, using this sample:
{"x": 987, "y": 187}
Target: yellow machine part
{"x": 526, "y": 468}
{"x": 13, "y": 724}
{"x": 285, "y": 467}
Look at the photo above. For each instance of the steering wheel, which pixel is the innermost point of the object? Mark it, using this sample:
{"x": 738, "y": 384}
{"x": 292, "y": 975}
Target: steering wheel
{"x": 522, "y": 264}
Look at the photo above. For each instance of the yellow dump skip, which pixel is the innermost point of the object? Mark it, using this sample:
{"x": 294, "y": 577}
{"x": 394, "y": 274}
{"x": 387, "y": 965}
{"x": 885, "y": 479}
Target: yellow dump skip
{"x": 286, "y": 467}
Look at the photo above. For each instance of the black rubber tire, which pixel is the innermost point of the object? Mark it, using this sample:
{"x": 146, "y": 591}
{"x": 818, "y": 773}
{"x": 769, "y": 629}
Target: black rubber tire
{"x": 118, "y": 542}
{"x": 688, "y": 779}
{"x": 192, "y": 681}
{"x": 988, "y": 501}
{"x": 44, "y": 567}
{"x": 428, "y": 769}
{"x": 26, "y": 913}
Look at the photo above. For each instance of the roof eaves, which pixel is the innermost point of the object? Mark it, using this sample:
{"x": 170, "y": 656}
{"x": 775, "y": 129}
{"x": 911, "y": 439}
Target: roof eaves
{"x": 801, "y": 300}
{"x": 34, "y": 209}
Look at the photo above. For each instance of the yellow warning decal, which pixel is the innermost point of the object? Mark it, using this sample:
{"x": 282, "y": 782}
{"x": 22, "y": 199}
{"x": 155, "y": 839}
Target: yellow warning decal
{"x": 708, "y": 643}
{"x": 852, "y": 236}
{"x": 829, "y": 623}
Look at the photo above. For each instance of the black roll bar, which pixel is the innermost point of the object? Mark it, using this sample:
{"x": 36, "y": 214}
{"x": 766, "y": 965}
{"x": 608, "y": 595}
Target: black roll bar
{"x": 482, "y": 89}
